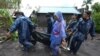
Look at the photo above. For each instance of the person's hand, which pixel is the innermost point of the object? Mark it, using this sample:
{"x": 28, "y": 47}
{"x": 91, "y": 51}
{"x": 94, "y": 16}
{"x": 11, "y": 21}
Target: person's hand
{"x": 69, "y": 31}
{"x": 8, "y": 34}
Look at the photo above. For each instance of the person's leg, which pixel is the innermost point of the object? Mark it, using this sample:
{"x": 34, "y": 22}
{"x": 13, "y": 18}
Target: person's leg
{"x": 68, "y": 40}
{"x": 78, "y": 44}
{"x": 68, "y": 43}
{"x": 33, "y": 41}
{"x": 21, "y": 41}
{"x": 72, "y": 46}
{"x": 55, "y": 49}
{"x": 26, "y": 44}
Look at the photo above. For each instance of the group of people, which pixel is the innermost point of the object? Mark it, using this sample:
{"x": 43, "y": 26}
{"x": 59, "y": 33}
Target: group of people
{"x": 62, "y": 34}
{"x": 73, "y": 34}
{"x": 80, "y": 28}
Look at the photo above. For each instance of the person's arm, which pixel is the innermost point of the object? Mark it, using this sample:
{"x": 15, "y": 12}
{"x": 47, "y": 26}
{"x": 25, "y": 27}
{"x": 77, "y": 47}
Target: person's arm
{"x": 13, "y": 27}
{"x": 71, "y": 29}
{"x": 92, "y": 30}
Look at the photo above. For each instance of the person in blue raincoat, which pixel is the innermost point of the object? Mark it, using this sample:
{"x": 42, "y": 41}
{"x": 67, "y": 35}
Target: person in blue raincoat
{"x": 92, "y": 30}
{"x": 24, "y": 26}
{"x": 85, "y": 26}
{"x": 58, "y": 33}
{"x": 69, "y": 29}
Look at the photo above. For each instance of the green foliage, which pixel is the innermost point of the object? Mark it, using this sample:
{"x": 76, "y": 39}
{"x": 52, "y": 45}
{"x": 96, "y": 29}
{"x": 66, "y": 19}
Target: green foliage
{"x": 96, "y": 7}
{"x": 96, "y": 17}
{"x": 6, "y": 17}
{"x": 1, "y": 24}
{"x": 8, "y": 20}
{"x": 9, "y": 3}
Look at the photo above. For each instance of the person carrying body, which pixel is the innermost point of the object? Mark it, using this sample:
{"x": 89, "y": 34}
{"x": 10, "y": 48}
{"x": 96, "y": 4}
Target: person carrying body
{"x": 24, "y": 26}
{"x": 71, "y": 25}
{"x": 85, "y": 27}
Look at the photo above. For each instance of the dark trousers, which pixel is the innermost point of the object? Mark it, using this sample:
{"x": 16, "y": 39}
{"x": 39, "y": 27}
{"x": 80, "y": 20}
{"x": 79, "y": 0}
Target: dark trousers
{"x": 26, "y": 44}
{"x": 68, "y": 40}
{"x": 55, "y": 48}
{"x": 75, "y": 45}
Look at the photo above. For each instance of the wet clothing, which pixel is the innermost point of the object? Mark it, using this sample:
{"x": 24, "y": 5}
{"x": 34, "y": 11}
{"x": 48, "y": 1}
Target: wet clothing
{"x": 90, "y": 29}
{"x": 84, "y": 27}
{"x": 24, "y": 27}
{"x": 72, "y": 25}
{"x": 58, "y": 33}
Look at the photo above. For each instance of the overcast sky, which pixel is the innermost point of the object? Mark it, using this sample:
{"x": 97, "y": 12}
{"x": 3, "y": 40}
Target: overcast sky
{"x": 64, "y": 3}
{"x": 27, "y": 6}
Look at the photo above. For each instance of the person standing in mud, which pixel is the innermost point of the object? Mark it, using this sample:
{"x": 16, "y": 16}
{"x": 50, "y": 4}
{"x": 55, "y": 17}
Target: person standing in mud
{"x": 50, "y": 22}
{"x": 90, "y": 25}
{"x": 74, "y": 20}
{"x": 58, "y": 33}
{"x": 24, "y": 26}
{"x": 85, "y": 26}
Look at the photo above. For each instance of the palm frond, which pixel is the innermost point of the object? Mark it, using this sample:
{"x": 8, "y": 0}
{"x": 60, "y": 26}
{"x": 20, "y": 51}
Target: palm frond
{"x": 89, "y": 1}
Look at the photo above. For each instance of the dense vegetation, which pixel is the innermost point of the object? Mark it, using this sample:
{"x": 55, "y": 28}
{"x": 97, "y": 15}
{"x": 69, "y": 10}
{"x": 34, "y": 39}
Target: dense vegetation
{"x": 96, "y": 15}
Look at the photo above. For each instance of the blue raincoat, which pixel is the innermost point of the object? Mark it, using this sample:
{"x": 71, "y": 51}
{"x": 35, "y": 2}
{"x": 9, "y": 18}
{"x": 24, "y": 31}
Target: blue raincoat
{"x": 58, "y": 33}
{"x": 84, "y": 28}
{"x": 24, "y": 27}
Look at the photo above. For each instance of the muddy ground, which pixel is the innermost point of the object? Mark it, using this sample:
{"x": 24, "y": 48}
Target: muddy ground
{"x": 11, "y": 48}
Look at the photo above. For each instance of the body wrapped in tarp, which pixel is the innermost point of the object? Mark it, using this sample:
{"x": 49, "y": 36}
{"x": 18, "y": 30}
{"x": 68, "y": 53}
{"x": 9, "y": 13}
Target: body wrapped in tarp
{"x": 41, "y": 37}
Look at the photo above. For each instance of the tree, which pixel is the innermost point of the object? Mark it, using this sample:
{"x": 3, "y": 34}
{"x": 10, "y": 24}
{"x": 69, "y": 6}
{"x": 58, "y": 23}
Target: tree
{"x": 96, "y": 15}
{"x": 3, "y": 4}
{"x": 96, "y": 7}
{"x": 9, "y": 3}
{"x": 7, "y": 19}
{"x": 86, "y": 4}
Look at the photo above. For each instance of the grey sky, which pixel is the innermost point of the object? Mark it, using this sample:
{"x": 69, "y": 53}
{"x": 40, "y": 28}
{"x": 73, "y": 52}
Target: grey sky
{"x": 27, "y": 6}
{"x": 68, "y": 3}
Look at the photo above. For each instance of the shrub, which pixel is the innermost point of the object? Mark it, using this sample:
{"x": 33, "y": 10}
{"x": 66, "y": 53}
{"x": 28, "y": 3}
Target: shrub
{"x": 96, "y": 17}
{"x": 8, "y": 20}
